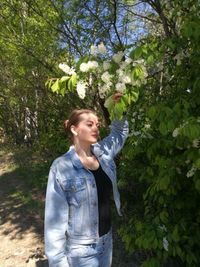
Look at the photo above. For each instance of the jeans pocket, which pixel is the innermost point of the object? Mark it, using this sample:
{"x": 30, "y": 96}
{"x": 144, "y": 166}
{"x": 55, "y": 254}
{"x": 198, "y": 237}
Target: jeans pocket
{"x": 81, "y": 250}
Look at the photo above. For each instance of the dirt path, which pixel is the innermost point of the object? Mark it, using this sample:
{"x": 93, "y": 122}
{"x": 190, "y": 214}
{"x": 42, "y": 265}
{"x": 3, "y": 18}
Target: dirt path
{"x": 20, "y": 229}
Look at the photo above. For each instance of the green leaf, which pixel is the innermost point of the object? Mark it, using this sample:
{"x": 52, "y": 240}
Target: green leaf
{"x": 197, "y": 185}
{"x": 164, "y": 182}
{"x": 56, "y": 86}
{"x": 134, "y": 96}
{"x": 62, "y": 89}
{"x": 138, "y": 52}
{"x": 164, "y": 216}
{"x": 138, "y": 73}
{"x": 152, "y": 262}
{"x": 72, "y": 83}
{"x": 175, "y": 234}
{"x": 119, "y": 108}
{"x": 163, "y": 128}
{"x": 152, "y": 112}
{"x": 197, "y": 163}
{"x": 125, "y": 99}
{"x": 150, "y": 59}
{"x": 192, "y": 131}
{"x": 64, "y": 78}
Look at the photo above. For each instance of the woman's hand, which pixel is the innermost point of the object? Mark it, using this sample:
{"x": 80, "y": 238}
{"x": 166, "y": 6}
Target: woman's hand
{"x": 116, "y": 97}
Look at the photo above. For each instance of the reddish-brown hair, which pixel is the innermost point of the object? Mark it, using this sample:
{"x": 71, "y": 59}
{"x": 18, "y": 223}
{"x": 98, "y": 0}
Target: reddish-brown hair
{"x": 75, "y": 118}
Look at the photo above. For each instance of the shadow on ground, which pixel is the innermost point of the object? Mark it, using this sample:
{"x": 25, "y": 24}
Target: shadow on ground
{"x": 22, "y": 200}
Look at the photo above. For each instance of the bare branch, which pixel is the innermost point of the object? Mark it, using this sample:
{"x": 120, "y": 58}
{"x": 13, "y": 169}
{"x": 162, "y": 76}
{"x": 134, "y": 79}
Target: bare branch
{"x": 100, "y": 22}
{"x": 114, "y": 24}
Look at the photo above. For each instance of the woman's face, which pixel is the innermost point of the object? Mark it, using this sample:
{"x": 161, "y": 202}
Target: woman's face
{"x": 88, "y": 128}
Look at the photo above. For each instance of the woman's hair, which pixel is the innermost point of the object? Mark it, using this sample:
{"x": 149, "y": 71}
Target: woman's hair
{"x": 75, "y": 118}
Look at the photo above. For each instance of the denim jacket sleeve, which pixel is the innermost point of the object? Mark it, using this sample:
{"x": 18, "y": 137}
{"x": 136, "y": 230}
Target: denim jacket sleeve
{"x": 114, "y": 142}
{"x": 56, "y": 212}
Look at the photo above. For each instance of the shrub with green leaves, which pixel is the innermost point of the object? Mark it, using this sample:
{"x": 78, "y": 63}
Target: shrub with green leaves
{"x": 160, "y": 166}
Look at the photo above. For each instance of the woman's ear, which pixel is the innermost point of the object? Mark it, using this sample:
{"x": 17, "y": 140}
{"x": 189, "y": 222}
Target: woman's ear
{"x": 73, "y": 130}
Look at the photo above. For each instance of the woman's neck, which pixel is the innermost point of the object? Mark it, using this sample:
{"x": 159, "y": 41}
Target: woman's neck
{"x": 83, "y": 150}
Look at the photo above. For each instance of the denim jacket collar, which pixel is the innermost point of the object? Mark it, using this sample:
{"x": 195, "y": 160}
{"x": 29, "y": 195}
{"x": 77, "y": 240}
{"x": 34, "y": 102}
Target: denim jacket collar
{"x": 75, "y": 159}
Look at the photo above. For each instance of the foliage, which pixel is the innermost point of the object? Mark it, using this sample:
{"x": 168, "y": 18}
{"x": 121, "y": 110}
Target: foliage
{"x": 162, "y": 194}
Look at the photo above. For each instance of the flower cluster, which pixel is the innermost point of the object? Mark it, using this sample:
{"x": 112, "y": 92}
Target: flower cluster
{"x": 108, "y": 76}
{"x": 191, "y": 172}
{"x": 65, "y": 68}
{"x": 94, "y": 50}
{"x": 81, "y": 89}
{"x": 90, "y": 65}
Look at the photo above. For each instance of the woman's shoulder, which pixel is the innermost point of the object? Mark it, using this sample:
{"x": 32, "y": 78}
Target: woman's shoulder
{"x": 61, "y": 161}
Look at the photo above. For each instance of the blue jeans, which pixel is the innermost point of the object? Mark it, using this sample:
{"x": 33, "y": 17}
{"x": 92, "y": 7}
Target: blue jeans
{"x": 91, "y": 255}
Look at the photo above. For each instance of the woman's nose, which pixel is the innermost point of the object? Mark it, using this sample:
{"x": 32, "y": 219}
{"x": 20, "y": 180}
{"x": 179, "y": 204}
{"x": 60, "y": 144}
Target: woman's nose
{"x": 96, "y": 129}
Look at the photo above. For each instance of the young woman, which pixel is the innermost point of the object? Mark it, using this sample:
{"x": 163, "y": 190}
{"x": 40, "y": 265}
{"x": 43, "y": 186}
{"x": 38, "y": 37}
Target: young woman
{"x": 81, "y": 182}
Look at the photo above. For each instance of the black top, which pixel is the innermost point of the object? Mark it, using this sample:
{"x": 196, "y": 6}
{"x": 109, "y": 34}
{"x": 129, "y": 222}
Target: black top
{"x": 104, "y": 189}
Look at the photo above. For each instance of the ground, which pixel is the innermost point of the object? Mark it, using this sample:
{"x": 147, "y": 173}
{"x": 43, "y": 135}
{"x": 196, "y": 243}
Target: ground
{"x": 22, "y": 192}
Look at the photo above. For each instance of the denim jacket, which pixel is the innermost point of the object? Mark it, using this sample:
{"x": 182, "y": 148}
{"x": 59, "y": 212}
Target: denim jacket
{"x": 71, "y": 213}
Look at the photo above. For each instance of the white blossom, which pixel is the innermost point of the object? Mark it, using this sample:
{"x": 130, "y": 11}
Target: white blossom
{"x": 128, "y": 60}
{"x": 90, "y": 79}
{"x": 191, "y": 172}
{"x": 175, "y": 132}
{"x": 103, "y": 90}
{"x": 136, "y": 133}
{"x": 81, "y": 88}
{"x": 120, "y": 87}
{"x": 147, "y": 126}
{"x": 93, "y": 50}
{"x": 120, "y": 73}
{"x": 92, "y": 64}
{"x": 134, "y": 114}
{"x": 137, "y": 62}
{"x": 72, "y": 71}
{"x": 106, "y": 65}
{"x": 65, "y": 68}
{"x": 118, "y": 57}
{"x": 163, "y": 228}
{"x": 123, "y": 65}
{"x": 106, "y": 77}
{"x": 145, "y": 71}
{"x": 196, "y": 143}
{"x": 102, "y": 48}
{"x": 84, "y": 67}
{"x": 125, "y": 79}
{"x": 165, "y": 243}
{"x": 102, "y": 93}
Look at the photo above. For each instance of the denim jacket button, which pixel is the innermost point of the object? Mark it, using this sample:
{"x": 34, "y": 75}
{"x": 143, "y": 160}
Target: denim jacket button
{"x": 73, "y": 189}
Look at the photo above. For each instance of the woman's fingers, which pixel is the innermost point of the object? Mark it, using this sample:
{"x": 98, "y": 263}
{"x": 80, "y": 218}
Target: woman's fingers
{"x": 117, "y": 96}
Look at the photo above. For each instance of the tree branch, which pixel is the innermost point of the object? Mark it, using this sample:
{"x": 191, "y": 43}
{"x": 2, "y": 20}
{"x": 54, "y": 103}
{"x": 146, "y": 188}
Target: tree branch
{"x": 101, "y": 23}
{"x": 157, "y": 7}
{"x": 114, "y": 25}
